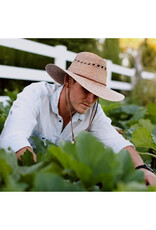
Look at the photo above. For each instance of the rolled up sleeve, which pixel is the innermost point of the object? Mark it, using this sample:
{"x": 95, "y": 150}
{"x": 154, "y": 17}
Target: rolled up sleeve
{"x": 106, "y": 133}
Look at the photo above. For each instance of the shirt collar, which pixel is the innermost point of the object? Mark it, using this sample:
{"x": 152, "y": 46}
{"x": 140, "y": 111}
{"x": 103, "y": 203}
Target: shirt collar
{"x": 78, "y": 116}
{"x": 55, "y": 101}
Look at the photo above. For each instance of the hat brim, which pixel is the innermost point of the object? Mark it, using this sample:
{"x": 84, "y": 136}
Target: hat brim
{"x": 94, "y": 87}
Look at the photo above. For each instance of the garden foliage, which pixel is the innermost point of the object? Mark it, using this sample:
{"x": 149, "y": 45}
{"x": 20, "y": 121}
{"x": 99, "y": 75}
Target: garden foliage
{"x": 86, "y": 165}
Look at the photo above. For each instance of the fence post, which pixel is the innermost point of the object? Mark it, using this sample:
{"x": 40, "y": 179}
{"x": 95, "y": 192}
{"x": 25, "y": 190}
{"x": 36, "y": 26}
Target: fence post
{"x": 109, "y": 72}
{"x": 60, "y": 60}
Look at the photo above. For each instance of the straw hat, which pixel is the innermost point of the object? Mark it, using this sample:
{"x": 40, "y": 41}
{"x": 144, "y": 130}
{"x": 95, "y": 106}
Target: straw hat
{"x": 90, "y": 71}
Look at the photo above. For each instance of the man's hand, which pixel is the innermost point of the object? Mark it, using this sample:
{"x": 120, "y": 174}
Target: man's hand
{"x": 150, "y": 178}
{"x": 20, "y": 152}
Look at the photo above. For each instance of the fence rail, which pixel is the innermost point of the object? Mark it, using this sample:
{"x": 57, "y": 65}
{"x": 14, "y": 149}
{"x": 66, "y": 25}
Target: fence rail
{"x": 20, "y": 73}
{"x": 61, "y": 55}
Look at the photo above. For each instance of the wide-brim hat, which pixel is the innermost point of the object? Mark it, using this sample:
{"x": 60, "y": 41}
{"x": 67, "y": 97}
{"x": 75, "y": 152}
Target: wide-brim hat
{"x": 90, "y": 71}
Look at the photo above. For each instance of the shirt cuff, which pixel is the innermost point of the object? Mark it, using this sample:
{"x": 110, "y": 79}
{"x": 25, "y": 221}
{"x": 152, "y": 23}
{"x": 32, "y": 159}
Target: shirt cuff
{"x": 120, "y": 146}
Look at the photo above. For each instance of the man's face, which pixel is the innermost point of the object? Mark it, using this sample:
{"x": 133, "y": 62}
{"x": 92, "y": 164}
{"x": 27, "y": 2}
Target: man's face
{"x": 80, "y": 98}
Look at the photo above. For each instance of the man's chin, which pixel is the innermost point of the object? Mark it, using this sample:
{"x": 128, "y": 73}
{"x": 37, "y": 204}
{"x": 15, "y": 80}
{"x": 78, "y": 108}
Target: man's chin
{"x": 82, "y": 111}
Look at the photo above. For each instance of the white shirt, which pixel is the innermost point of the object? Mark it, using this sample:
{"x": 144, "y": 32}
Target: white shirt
{"x": 35, "y": 112}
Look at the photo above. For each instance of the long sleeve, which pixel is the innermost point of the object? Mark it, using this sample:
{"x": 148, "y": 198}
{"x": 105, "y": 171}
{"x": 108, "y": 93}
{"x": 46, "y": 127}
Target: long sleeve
{"x": 106, "y": 133}
{"x": 21, "y": 120}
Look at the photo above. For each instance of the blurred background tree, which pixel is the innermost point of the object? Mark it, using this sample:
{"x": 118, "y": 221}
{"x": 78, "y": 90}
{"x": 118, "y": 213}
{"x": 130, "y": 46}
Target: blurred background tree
{"x": 141, "y": 54}
{"x": 111, "y": 50}
{"x": 131, "y": 46}
{"x": 130, "y": 52}
{"x": 149, "y": 54}
{"x": 13, "y": 57}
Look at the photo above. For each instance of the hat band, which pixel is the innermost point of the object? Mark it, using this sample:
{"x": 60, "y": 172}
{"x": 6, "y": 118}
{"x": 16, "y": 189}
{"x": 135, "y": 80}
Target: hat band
{"x": 90, "y": 79}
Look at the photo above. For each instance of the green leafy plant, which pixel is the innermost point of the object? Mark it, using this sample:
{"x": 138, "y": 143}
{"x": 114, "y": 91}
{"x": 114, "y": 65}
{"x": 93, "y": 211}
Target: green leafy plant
{"x": 138, "y": 124}
{"x": 84, "y": 166}
{"x": 143, "y": 140}
{"x": 4, "y": 110}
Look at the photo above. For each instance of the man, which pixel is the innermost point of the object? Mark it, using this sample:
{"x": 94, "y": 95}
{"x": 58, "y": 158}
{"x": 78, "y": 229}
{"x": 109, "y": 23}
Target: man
{"x": 55, "y": 112}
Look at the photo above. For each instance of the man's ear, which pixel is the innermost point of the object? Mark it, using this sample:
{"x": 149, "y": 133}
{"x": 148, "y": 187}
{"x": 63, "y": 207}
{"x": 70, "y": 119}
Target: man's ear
{"x": 67, "y": 81}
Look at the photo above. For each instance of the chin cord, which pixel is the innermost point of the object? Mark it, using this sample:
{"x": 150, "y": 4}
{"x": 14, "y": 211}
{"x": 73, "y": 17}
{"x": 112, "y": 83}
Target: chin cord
{"x": 94, "y": 110}
{"x": 67, "y": 102}
{"x": 93, "y": 113}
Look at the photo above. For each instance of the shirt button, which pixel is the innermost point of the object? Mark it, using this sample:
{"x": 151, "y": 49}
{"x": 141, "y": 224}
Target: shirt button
{"x": 60, "y": 121}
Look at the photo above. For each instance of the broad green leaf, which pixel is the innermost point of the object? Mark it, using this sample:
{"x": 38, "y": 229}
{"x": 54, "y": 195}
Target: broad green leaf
{"x": 96, "y": 164}
{"x": 46, "y": 157}
{"x": 63, "y": 158}
{"x": 25, "y": 170}
{"x": 92, "y": 153}
{"x": 132, "y": 186}
{"x": 130, "y": 109}
{"x": 126, "y": 164}
{"x": 52, "y": 167}
{"x": 131, "y": 122}
{"x": 151, "y": 109}
{"x": 106, "y": 180}
{"x": 5, "y": 169}
{"x": 90, "y": 165}
{"x": 109, "y": 106}
{"x": 12, "y": 185}
{"x": 102, "y": 162}
{"x": 27, "y": 158}
{"x": 68, "y": 162}
{"x": 27, "y": 173}
{"x": 10, "y": 173}
{"x": 146, "y": 123}
{"x": 136, "y": 175}
{"x": 142, "y": 137}
{"x": 128, "y": 132}
{"x": 128, "y": 172}
{"x": 138, "y": 114}
{"x": 11, "y": 160}
{"x": 39, "y": 145}
{"x": 142, "y": 123}
{"x": 84, "y": 166}
{"x": 52, "y": 182}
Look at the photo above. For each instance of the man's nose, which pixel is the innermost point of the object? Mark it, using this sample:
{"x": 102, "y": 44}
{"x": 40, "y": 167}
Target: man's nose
{"x": 90, "y": 97}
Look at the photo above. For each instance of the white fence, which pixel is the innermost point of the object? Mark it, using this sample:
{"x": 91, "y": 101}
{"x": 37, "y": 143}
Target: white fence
{"x": 61, "y": 55}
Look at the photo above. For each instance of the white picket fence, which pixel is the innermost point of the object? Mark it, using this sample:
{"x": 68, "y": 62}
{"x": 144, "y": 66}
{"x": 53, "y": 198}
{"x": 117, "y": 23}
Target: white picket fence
{"x": 61, "y": 55}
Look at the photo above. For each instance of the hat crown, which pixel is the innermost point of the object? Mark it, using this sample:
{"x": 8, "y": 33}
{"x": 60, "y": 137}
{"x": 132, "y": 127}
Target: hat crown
{"x": 89, "y": 70}
{"x": 89, "y": 65}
